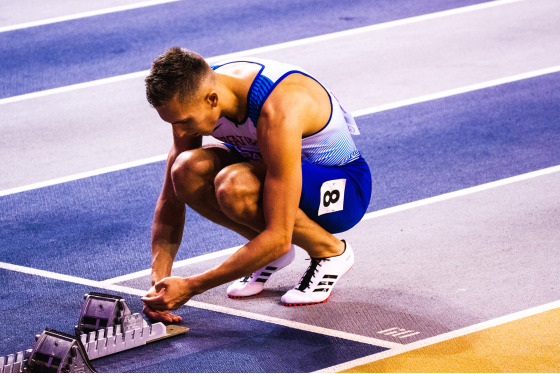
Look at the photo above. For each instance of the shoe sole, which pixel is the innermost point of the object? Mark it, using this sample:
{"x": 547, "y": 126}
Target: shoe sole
{"x": 305, "y": 304}
{"x": 243, "y": 297}
{"x": 317, "y": 302}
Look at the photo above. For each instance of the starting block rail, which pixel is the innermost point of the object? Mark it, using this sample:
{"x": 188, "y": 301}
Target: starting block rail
{"x": 13, "y": 363}
{"x": 108, "y": 341}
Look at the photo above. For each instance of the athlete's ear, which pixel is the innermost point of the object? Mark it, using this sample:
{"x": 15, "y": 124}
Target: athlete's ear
{"x": 212, "y": 99}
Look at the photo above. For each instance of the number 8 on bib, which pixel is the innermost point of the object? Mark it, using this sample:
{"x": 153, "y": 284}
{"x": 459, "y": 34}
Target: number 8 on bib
{"x": 332, "y": 196}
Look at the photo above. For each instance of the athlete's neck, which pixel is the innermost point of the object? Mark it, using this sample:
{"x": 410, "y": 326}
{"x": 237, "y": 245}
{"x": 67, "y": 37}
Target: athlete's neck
{"x": 232, "y": 101}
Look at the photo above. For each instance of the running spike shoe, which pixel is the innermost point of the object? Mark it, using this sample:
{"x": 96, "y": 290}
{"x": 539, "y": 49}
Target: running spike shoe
{"x": 253, "y": 284}
{"x": 316, "y": 284}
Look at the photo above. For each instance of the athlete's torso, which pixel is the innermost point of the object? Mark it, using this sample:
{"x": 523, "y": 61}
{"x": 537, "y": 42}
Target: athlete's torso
{"x": 332, "y": 145}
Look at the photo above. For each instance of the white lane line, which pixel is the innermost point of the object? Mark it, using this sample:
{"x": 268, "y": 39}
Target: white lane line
{"x": 357, "y": 113}
{"x": 84, "y": 15}
{"x": 463, "y": 192}
{"x": 73, "y": 87}
{"x": 274, "y": 47}
{"x": 86, "y": 174}
{"x": 206, "y": 306}
{"x": 443, "y": 337}
{"x": 457, "y": 91}
{"x": 296, "y": 325}
{"x": 69, "y": 278}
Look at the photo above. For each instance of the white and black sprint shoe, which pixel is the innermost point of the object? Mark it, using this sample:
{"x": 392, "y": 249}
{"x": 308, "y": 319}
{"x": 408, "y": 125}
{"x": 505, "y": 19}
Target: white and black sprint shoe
{"x": 253, "y": 284}
{"x": 316, "y": 285}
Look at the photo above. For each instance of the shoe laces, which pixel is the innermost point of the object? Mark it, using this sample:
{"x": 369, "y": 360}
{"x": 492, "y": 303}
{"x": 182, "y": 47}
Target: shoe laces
{"x": 305, "y": 281}
{"x": 247, "y": 278}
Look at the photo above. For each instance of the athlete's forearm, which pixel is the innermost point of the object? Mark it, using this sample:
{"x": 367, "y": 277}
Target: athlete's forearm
{"x": 162, "y": 260}
{"x": 167, "y": 233}
{"x": 262, "y": 250}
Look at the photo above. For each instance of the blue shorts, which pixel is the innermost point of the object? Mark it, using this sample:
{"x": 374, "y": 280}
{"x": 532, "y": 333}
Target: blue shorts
{"x": 336, "y": 197}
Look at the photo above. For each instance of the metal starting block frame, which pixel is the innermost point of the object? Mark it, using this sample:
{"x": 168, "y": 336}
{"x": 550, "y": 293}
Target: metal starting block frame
{"x": 100, "y": 311}
{"x": 54, "y": 352}
{"x": 121, "y": 331}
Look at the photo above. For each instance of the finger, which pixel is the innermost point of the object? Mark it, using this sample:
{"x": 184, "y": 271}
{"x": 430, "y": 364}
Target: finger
{"x": 174, "y": 318}
{"x": 160, "y": 285}
{"x": 160, "y": 315}
{"x": 165, "y": 316}
{"x": 151, "y": 293}
{"x": 152, "y": 299}
{"x": 152, "y": 314}
{"x": 157, "y": 315}
{"x": 155, "y": 303}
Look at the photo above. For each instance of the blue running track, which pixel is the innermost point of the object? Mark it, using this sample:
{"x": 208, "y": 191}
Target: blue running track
{"x": 414, "y": 152}
{"x": 97, "y": 47}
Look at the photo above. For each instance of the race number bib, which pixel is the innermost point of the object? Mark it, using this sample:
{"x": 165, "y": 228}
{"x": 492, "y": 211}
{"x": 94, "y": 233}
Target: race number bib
{"x": 332, "y": 196}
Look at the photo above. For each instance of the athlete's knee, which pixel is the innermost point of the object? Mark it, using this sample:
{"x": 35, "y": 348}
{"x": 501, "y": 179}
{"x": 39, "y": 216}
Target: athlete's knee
{"x": 189, "y": 175}
{"x": 237, "y": 192}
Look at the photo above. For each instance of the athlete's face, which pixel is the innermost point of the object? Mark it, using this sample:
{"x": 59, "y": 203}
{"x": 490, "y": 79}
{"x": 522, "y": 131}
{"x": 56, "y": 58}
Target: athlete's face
{"x": 197, "y": 117}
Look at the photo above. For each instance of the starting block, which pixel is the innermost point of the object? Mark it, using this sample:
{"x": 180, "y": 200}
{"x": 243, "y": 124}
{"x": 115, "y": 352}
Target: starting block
{"x": 105, "y": 326}
{"x": 53, "y": 352}
{"x": 57, "y": 352}
{"x": 100, "y": 311}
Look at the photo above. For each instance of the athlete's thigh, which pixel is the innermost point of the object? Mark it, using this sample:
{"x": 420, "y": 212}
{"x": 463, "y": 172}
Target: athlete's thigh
{"x": 214, "y": 157}
{"x": 243, "y": 175}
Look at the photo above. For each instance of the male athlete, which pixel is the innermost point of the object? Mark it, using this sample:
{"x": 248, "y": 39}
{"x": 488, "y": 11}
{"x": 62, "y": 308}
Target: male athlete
{"x": 287, "y": 172}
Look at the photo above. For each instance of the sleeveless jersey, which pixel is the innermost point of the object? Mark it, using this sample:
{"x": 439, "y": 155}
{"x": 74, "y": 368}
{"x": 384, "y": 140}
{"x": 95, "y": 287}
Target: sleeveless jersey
{"x": 331, "y": 146}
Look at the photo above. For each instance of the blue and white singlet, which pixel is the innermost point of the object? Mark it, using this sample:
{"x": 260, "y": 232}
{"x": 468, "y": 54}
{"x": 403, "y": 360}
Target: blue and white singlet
{"x": 331, "y": 146}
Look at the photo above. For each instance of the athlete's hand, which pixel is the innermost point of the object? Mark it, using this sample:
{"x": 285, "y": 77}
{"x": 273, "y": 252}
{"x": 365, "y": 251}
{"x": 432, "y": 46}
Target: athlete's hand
{"x": 168, "y": 293}
{"x": 160, "y": 315}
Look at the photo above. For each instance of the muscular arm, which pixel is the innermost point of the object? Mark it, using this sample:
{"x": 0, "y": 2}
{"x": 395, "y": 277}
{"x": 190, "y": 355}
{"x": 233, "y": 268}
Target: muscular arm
{"x": 169, "y": 217}
{"x": 280, "y": 132}
{"x": 167, "y": 229}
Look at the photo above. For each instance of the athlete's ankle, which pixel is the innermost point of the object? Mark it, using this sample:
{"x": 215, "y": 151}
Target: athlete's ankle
{"x": 336, "y": 249}
{"x": 341, "y": 248}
